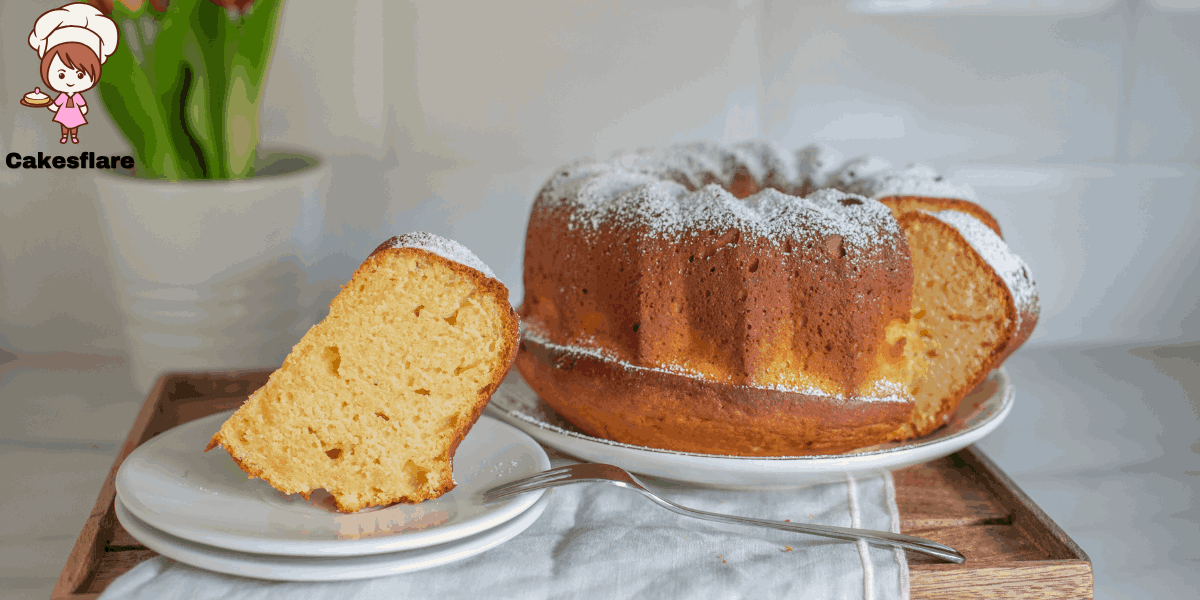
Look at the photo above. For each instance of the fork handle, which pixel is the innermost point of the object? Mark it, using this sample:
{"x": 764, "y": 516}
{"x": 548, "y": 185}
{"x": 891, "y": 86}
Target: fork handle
{"x": 909, "y": 542}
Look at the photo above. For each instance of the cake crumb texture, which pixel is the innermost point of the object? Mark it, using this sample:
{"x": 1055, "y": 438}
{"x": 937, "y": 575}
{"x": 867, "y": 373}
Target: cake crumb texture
{"x": 971, "y": 312}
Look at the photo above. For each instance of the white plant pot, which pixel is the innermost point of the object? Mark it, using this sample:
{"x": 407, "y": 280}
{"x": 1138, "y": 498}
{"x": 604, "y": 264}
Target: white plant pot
{"x": 213, "y": 274}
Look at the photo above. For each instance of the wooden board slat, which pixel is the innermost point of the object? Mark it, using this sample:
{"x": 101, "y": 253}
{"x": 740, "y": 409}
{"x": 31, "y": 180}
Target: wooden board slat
{"x": 930, "y": 496}
{"x": 1023, "y": 579}
{"x": 1013, "y": 549}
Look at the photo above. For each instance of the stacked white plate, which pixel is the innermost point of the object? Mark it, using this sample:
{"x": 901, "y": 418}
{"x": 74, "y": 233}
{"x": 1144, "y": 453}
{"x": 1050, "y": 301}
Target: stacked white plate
{"x": 200, "y": 509}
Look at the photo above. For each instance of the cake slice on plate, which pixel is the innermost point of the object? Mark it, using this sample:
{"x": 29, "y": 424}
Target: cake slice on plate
{"x": 373, "y": 401}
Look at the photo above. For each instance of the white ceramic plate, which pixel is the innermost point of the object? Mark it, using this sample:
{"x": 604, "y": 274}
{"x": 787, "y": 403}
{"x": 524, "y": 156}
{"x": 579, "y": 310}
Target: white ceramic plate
{"x": 324, "y": 568}
{"x": 171, "y": 484}
{"x": 980, "y": 413}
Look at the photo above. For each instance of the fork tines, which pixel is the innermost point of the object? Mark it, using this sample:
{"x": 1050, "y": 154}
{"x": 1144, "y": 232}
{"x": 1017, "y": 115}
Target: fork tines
{"x": 529, "y": 483}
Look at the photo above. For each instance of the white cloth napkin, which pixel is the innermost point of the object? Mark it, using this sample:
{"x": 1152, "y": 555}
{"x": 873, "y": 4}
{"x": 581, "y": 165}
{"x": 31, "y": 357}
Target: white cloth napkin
{"x": 599, "y": 541}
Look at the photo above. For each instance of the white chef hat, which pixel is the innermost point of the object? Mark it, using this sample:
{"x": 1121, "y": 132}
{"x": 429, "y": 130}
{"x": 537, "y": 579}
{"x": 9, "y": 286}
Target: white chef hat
{"x": 77, "y": 22}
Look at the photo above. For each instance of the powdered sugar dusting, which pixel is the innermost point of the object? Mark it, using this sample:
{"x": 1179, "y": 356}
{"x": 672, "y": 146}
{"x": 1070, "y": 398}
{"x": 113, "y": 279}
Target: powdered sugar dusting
{"x": 650, "y": 181}
{"x": 445, "y": 248}
{"x": 913, "y": 180}
{"x": 769, "y": 163}
{"x": 814, "y": 164}
{"x": 854, "y": 171}
{"x": 683, "y": 189}
{"x": 996, "y": 253}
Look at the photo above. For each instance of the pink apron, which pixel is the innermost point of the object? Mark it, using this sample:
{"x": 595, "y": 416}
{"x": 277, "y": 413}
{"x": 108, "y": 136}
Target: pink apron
{"x": 68, "y": 113}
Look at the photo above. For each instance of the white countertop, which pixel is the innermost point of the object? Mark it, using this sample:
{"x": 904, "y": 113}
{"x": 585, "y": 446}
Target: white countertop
{"x": 1104, "y": 438}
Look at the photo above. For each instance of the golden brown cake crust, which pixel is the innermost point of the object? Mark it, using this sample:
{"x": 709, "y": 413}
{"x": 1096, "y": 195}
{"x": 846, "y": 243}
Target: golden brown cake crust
{"x": 658, "y": 409}
{"x": 699, "y": 265}
{"x": 739, "y": 297}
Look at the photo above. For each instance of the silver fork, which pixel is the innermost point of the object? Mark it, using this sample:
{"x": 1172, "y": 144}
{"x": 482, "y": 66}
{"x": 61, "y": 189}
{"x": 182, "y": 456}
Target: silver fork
{"x": 595, "y": 472}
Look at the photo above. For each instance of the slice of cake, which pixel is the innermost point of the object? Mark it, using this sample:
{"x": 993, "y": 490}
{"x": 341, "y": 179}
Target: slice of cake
{"x": 373, "y": 401}
{"x": 974, "y": 303}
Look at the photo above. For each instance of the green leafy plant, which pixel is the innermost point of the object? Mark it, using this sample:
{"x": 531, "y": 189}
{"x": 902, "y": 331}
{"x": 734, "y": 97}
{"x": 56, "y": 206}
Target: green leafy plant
{"x": 185, "y": 82}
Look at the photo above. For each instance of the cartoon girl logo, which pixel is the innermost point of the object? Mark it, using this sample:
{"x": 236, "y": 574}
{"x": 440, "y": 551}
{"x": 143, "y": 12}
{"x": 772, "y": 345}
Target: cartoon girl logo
{"x": 72, "y": 41}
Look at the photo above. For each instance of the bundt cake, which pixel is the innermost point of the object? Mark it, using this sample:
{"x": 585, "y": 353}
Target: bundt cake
{"x": 690, "y": 299}
{"x": 373, "y": 401}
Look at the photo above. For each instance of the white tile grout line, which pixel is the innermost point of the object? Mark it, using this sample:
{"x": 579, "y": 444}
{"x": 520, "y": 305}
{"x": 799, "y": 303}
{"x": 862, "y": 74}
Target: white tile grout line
{"x": 864, "y": 552}
{"x": 901, "y": 561}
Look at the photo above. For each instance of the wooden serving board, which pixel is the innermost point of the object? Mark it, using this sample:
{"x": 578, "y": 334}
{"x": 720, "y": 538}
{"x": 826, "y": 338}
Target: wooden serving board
{"x": 1013, "y": 549}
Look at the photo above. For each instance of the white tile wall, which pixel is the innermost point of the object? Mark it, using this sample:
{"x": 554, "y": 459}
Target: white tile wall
{"x": 448, "y": 120}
